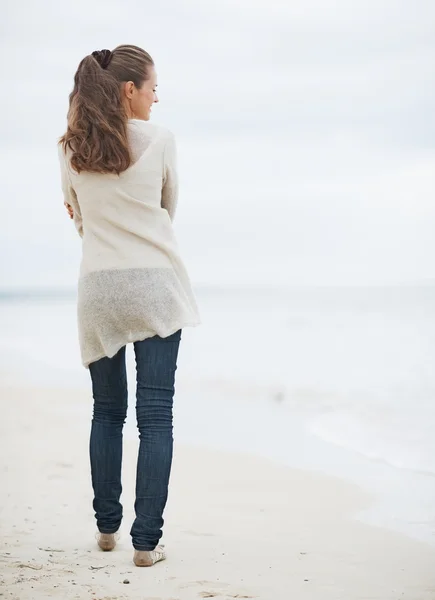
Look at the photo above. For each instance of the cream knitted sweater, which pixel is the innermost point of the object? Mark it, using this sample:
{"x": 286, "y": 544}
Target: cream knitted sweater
{"x": 133, "y": 284}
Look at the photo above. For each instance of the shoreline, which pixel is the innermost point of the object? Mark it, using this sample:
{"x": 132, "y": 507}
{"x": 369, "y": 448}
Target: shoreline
{"x": 235, "y": 525}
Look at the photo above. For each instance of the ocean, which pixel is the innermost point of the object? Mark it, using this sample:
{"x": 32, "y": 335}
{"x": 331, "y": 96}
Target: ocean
{"x": 334, "y": 379}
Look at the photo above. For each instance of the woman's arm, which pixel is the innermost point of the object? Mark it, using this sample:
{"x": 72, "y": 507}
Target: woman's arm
{"x": 170, "y": 177}
{"x": 70, "y": 197}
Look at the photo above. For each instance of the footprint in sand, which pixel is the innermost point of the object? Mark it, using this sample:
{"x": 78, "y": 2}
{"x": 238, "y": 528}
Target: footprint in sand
{"x": 222, "y": 595}
{"x": 217, "y": 593}
{"x": 199, "y": 533}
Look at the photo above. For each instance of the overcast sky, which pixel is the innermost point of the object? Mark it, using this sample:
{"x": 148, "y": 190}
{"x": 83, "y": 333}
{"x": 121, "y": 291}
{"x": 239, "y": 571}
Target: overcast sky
{"x": 305, "y": 130}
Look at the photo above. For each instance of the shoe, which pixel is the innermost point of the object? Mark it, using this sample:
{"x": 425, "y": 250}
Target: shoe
{"x": 106, "y": 541}
{"x": 148, "y": 558}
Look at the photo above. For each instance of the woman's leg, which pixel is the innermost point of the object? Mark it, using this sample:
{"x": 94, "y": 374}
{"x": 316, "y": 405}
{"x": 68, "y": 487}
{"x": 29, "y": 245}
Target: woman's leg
{"x": 156, "y": 361}
{"x": 109, "y": 386}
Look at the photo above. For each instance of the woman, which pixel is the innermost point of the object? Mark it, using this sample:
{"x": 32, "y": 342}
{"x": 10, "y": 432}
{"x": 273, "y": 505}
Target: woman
{"x": 120, "y": 186}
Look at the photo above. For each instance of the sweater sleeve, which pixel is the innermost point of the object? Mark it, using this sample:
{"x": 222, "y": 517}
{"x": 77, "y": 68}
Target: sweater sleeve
{"x": 170, "y": 178}
{"x": 69, "y": 194}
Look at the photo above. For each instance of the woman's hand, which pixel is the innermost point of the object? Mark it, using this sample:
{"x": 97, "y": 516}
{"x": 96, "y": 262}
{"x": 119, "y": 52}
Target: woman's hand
{"x": 70, "y": 210}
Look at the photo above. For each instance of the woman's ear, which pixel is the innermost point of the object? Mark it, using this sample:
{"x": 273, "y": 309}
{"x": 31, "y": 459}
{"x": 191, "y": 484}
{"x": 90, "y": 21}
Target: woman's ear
{"x": 128, "y": 87}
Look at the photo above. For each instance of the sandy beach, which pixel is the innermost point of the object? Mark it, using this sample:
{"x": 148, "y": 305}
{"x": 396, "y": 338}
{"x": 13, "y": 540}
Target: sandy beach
{"x": 236, "y": 526}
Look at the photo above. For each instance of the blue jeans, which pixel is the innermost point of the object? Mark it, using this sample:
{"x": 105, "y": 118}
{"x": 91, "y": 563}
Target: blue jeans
{"x": 156, "y": 363}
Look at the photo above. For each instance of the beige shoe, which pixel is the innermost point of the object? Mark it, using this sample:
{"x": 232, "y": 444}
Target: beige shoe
{"x": 148, "y": 558}
{"x": 106, "y": 541}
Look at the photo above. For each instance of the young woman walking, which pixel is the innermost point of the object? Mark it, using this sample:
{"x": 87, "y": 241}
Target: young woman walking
{"x": 119, "y": 181}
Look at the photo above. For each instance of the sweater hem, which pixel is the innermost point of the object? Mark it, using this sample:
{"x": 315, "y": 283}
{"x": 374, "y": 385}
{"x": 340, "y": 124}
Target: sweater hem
{"x": 138, "y": 337}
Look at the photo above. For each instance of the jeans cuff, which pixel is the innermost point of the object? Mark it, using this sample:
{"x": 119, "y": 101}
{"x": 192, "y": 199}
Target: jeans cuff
{"x": 108, "y": 529}
{"x": 147, "y": 548}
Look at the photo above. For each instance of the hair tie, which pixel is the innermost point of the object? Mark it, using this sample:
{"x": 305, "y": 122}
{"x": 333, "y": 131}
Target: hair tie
{"x": 103, "y": 57}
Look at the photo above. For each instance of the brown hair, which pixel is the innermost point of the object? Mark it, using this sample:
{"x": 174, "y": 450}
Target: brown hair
{"x": 97, "y": 119}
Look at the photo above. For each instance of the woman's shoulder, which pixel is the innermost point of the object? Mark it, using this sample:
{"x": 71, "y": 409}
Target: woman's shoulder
{"x": 64, "y": 154}
{"x": 149, "y": 130}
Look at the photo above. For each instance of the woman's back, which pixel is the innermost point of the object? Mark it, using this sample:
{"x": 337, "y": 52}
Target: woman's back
{"x": 118, "y": 215}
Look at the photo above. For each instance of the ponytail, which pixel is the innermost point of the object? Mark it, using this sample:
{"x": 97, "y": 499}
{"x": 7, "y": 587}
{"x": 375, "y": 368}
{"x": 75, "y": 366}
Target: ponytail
{"x": 96, "y": 135}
